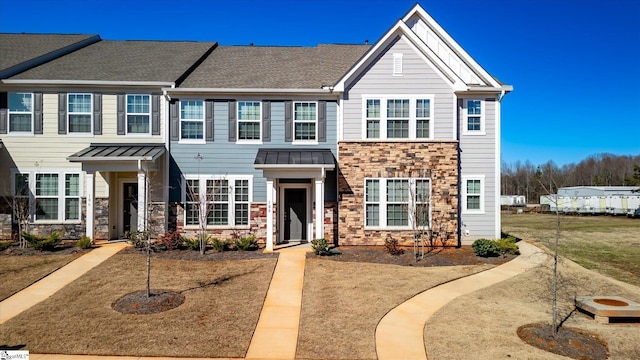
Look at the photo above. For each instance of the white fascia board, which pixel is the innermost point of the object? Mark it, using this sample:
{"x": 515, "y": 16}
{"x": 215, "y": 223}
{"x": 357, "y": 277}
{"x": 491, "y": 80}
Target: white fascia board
{"x": 86, "y": 82}
{"x": 293, "y": 166}
{"x": 111, "y": 158}
{"x": 431, "y": 22}
{"x": 319, "y": 91}
{"x": 489, "y": 89}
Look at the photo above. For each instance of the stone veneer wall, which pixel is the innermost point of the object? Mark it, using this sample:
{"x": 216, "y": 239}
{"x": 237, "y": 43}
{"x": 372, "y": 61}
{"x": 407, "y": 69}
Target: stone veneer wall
{"x": 74, "y": 231}
{"x": 436, "y": 160}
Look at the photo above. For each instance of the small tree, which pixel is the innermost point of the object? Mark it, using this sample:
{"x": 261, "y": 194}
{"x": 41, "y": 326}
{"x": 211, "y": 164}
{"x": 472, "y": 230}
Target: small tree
{"x": 20, "y": 204}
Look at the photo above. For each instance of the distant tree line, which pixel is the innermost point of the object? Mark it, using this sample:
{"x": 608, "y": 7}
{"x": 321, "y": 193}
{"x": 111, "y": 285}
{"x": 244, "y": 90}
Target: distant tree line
{"x": 597, "y": 170}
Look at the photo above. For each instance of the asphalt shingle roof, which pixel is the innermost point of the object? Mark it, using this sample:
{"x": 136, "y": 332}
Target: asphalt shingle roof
{"x": 16, "y": 49}
{"x": 275, "y": 67}
{"x": 123, "y": 61}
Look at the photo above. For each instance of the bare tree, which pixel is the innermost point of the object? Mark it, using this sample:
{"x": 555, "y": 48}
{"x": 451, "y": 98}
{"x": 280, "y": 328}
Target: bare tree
{"x": 19, "y": 201}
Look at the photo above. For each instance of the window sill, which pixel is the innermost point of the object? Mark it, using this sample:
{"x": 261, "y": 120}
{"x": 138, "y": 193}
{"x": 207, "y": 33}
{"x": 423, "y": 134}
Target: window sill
{"x": 138, "y": 135}
{"x": 388, "y": 228}
{"x": 80, "y": 135}
{"x": 20, "y": 134}
{"x": 474, "y": 133}
{"x": 249, "y": 142}
{"x": 304, "y": 142}
{"x": 191, "y": 142}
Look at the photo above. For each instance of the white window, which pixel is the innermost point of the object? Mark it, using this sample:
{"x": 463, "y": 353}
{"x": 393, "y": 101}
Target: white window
{"x": 80, "y": 114}
{"x": 20, "y": 112}
{"x": 397, "y": 203}
{"x": 138, "y": 114}
{"x": 474, "y": 117}
{"x": 305, "y": 121}
{"x": 51, "y": 196}
{"x": 473, "y": 194}
{"x": 224, "y": 199}
{"x": 191, "y": 120}
{"x": 397, "y": 64}
{"x": 249, "y": 121}
{"x": 401, "y": 117}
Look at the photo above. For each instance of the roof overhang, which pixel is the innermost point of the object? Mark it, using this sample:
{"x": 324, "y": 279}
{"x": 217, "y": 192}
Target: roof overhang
{"x": 314, "y": 161}
{"x": 118, "y": 153}
{"x": 325, "y": 90}
{"x": 44, "y": 82}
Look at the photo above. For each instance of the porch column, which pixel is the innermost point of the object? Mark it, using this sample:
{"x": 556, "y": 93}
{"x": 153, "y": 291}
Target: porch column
{"x": 142, "y": 201}
{"x": 270, "y": 191}
{"x": 91, "y": 189}
{"x": 319, "y": 191}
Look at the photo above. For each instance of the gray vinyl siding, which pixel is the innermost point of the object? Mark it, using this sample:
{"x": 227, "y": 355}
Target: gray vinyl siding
{"x": 223, "y": 157}
{"x": 477, "y": 157}
{"x": 418, "y": 78}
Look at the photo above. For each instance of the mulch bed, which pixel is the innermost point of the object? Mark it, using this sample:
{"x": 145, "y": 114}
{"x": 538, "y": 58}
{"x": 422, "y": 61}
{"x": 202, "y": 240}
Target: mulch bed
{"x": 63, "y": 249}
{"x": 451, "y": 256}
{"x": 139, "y": 303}
{"x": 574, "y": 343}
{"x": 209, "y": 255}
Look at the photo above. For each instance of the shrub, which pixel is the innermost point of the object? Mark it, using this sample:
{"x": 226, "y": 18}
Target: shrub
{"x": 5, "y": 245}
{"x": 508, "y": 246}
{"x": 485, "y": 247}
{"x": 84, "y": 242}
{"x": 191, "y": 243}
{"x": 171, "y": 240}
{"x": 320, "y": 246}
{"x": 137, "y": 238}
{"x": 246, "y": 243}
{"x": 43, "y": 243}
{"x": 393, "y": 247}
{"x": 219, "y": 245}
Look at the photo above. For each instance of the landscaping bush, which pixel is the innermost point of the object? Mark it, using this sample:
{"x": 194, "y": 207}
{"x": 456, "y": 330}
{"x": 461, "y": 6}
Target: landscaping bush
{"x": 219, "y": 245}
{"x": 4, "y": 245}
{"x": 84, "y": 242}
{"x": 246, "y": 243}
{"x": 43, "y": 243}
{"x": 507, "y": 246}
{"x": 170, "y": 240}
{"x": 485, "y": 247}
{"x": 320, "y": 246}
{"x": 393, "y": 247}
{"x": 191, "y": 243}
{"x": 137, "y": 238}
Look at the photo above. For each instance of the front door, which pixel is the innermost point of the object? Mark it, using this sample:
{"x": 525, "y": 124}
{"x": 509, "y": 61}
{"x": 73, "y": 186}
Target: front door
{"x": 129, "y": 207}
{"x": 295, "y": 214}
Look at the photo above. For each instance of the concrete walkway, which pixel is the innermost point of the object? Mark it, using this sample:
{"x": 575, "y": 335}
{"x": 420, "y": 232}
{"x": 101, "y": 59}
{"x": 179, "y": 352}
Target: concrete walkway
{"x": 400, "y": 333}
{"x": 276, "y": 335}
{"x": 55, "y": 281}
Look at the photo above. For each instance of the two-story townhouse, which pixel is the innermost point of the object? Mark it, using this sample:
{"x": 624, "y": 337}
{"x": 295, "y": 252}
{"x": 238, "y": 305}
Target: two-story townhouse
{"x": 254, "y": 132}
{"x": 84, "y": 136}
{"x": 420, "y": 129}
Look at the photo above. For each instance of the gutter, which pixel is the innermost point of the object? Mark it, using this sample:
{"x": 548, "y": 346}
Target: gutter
{"x": 320, "y": 91}
{"x": 87, "y": 82}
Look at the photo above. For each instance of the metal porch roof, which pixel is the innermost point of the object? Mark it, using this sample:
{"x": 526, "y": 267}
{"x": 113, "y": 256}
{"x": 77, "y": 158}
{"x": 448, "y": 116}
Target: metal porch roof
{"x": 118, "y": 152}
{"x": 294, "y": 158}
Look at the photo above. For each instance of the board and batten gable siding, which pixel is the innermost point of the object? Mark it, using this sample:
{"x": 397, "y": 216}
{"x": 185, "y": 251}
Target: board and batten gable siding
{"x": 224, "y": 157}
{"x": 418, "y": 77}
{"x": 478, "y": 157}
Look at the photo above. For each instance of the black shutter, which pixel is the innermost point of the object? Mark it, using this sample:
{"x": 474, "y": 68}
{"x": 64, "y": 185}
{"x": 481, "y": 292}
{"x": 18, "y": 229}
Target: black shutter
{"x": 322, "y": 121}
{"x": 288, "y": 121}
{"x": 97, "y": 114}
{"x": 155, "y": 114}
{"x": 266, "y": 121}
{"x": 62, "y": 113}
{"x": 208, "y": 120}
{"x": 232, "y": 121}
{"x": 120, "y": 119}
{"x": 175, "y": 120}
{"x": 4, "y": 112}
{"x": 37, "y": 113}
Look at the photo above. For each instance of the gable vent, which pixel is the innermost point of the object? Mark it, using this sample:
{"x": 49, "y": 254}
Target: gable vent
{"x": 397, "y": 64}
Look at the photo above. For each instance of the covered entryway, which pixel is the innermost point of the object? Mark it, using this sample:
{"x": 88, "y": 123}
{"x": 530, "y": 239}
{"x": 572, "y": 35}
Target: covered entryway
{"x": 295, "y": 192}
{"x": 127, "y": 170}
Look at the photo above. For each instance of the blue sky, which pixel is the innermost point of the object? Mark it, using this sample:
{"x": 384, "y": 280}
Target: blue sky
{"x": 574, "y": 65}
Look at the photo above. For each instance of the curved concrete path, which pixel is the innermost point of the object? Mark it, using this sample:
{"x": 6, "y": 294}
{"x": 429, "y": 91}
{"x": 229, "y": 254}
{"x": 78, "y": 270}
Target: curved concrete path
{"x": 55, "y": 281}
{"x": 400, "y": 333}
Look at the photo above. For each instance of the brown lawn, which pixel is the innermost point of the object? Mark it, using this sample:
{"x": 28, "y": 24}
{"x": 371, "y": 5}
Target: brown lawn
{"x": 343, "y": 302}
{"x": 18, "y": 272}
{"x": 222, "y": 306}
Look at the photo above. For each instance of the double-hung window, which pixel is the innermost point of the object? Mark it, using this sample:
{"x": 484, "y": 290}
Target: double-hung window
{"x": 225, "y": 200}
{"x": 305, "y": 121}
{"x": 191, "y": 120}
{"x": 398, "y": 117}
{"x": 249, "y": 116}
{"x": 72, "y": 196}
{"x": 473, "y": 194}
{"x": 138, "y": 114}
{"x": 20, "y": 112}
{"x": 397, "y": 203}
{"x": 79, "y": 110}
{"x": 47, "y": 196}
{"x": 474, "y": 113}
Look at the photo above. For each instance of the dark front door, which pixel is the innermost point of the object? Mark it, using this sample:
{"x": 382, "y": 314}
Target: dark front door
{"x": 295, "y": 214}
{"x": 129, "y": 207}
